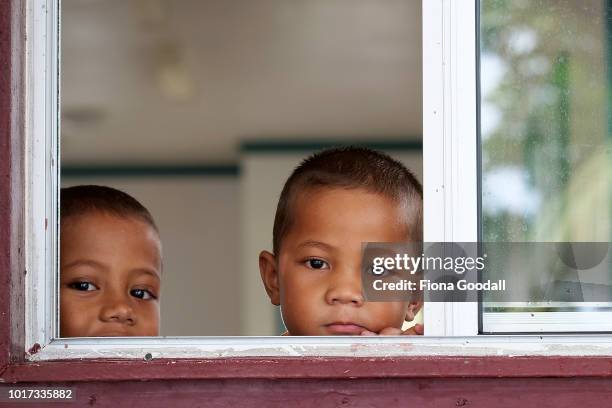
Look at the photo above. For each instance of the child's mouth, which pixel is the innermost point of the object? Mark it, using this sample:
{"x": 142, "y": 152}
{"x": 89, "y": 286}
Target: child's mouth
{"x": 344, "y": 328}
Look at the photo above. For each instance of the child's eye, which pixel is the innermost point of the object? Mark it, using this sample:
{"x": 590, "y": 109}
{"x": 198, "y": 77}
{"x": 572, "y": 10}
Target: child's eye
{"x": 83, "y": 286}
{"x": 142, "y": 294}
{"x": 385, "y": 272}
{"x": 315, "y": 263}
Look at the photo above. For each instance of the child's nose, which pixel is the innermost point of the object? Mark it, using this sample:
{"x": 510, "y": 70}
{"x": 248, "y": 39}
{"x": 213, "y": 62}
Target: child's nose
{"x": 345, "y": 289}
{"x": 117, "y": 309}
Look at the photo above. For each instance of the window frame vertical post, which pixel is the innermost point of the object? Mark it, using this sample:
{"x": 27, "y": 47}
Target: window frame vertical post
{"x": 450, "y": 144}
{"x": 41, "y": 170}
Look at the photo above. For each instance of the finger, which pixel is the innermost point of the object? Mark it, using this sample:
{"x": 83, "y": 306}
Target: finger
{"x": 368, "y": 333}
{"x": 416, "y": 330}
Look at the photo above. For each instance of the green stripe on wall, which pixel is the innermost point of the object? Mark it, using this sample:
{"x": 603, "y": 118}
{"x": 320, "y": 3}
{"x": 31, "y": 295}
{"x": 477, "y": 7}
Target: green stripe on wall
{"x": 233, "y": 169}
{"x": 292, "y": 145}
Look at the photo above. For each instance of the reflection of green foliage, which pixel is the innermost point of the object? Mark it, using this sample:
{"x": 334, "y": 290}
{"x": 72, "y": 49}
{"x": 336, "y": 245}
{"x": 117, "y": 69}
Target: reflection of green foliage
{"x": 609, "y": 77}
{"x": 495, "y": 15}
{"x": 548, "y": 88}
{"x": 500, "y": 228}
{"x": 609, "y": 65}
{"x": 560, "y": 79}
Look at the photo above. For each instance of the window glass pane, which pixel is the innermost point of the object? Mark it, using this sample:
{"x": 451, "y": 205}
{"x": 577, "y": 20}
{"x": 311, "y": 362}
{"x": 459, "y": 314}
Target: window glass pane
{"x": 546, "y": 122}
{"x": 200, "y": 109}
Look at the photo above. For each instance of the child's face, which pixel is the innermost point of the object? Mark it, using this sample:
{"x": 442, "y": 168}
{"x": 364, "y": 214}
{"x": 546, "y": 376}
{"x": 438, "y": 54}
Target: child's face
{"x": 110, "y": 277}
{"x": 316, "y": 277}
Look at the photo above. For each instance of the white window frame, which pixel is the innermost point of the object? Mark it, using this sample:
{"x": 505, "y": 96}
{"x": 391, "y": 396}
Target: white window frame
{"x": 450, "y": 177}
{"x": 449, "y": 106}
{"x": 41, "y": 170}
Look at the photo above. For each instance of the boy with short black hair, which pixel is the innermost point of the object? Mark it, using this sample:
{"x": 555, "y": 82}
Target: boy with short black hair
{"x": 333, "y": 202}
{"x": 110, "y": 264}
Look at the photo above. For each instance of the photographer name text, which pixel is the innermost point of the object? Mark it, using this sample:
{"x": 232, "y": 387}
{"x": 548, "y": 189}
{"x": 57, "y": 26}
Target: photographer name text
{"x": 425, "y": 284}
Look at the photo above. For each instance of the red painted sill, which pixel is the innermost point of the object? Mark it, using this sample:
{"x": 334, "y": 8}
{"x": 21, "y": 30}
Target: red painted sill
{"x": 311, "y": 368}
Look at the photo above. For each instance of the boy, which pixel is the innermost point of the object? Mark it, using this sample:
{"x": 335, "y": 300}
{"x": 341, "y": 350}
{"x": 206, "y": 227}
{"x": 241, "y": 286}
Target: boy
{"x": 333, "y": 202}
{"x": 110, "y": 265}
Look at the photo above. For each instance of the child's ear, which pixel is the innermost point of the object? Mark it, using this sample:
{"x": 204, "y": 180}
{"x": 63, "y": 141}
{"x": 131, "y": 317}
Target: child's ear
{"x": 269, "y": 276}
{"x": 413, "y": 309}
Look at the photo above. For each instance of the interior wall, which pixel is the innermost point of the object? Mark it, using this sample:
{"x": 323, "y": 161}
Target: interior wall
{"x": 213, "y": 73}
{"x": 199, "y": 226}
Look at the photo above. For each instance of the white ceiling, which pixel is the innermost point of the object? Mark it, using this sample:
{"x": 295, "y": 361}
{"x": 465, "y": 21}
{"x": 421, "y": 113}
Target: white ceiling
{"x": 185, "y": 81}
